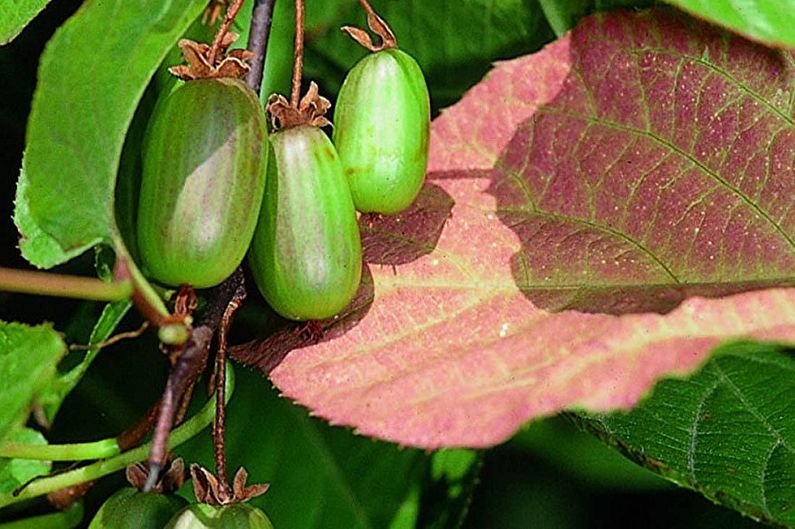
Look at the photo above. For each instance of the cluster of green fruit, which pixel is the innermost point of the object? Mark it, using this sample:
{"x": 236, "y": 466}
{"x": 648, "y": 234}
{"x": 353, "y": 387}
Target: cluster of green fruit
{"x": 215, "y": 185}
{"x": 130, "y": 509}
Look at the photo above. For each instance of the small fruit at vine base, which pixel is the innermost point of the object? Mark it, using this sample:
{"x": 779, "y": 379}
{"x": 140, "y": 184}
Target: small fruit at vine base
{"x": 129, "y": 508}
{"x": 306, "y": 255}
{"x": 234, "y": 516}
{"x": 381, "y": 130}
{"x": 204, "y": 166}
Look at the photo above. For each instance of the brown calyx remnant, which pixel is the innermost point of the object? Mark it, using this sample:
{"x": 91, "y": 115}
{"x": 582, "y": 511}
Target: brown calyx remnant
{"x": 311, "y": 110}
{"x": 233, "y": 64}
{"x": 171, "y": 479}
{"x": 208, "y": 489}
{"x": 378, "y": 26}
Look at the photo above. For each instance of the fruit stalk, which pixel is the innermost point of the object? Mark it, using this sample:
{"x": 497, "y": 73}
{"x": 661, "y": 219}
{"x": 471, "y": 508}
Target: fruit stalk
{"x": 298, "y": 62}
{"x": 231, "y": 13}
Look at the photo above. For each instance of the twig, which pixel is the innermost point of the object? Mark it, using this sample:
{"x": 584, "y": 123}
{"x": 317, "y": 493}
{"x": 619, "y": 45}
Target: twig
{"x": 258, "y": 41}
{"x": 112, "y": 340}
{"x": 231, "y": 13}
{"x": 219, "y": 424}
{"x": 298, "y": 63}
{"x": 189, "y": 363}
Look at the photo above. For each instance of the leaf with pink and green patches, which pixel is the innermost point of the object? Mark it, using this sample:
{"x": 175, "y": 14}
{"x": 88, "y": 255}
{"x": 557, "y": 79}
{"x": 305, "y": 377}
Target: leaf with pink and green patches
{"x": 597, "y": 215}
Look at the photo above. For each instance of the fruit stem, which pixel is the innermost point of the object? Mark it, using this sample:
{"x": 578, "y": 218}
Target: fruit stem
{"x": 66, "y": 452}
{"x": 295, "y": 94}
{"x": 377, "y": 25}
{"x": 219, "y": 424}
{"x": 47, "y": 284}
{"x": 180, "y": 435}
{"x": 258, "y": 35}
{"x": 231, "y": 13}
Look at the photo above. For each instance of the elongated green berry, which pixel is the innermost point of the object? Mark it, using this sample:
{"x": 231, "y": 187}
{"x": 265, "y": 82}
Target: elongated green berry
{"x": 234, "y": 516}
{"x": 306, "y": 256}
{"x": 130, "y": 509}
{"x": 381, "y": 130}
{"x": 204, "y": 167}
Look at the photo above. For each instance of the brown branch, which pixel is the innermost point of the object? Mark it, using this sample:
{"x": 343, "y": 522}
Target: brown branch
{"x": 188, "y": 364}
{"x": 219, "y": 424}
{"x": 258, "y": 41}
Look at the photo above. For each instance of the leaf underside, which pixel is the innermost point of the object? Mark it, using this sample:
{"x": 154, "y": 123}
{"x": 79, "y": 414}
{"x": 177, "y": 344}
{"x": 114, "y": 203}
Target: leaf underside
{"x": 596, "y": 215}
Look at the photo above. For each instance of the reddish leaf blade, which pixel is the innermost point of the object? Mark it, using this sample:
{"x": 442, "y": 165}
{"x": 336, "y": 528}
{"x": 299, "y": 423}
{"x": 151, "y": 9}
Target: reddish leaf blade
{"x": 583, "y": 204}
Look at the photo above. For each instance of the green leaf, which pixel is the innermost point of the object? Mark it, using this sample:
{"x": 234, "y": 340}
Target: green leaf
{"x": 50, "y": 400}
{"x": 36, "y": 246}
{"x": 28, "y": 360}
{"x": 91, "y": 78}
{"x": 15, "y": 15}
{"x": 324, "y": 477}
{"x": 727, "y": 432}
{"x": 562, "y": 16}
{"x": 448, "y": 488}
{"x": 16, "y": 472}
{"x": 770, "y": 22}
{"x": 452, "y": 59}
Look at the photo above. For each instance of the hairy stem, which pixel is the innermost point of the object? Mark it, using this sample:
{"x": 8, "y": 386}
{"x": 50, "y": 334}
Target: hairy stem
{"x": 48, "y": 284}
{"x": 229, "y": 17}
{"x": 180, "y": 435}
{"x": 298, "y": 64}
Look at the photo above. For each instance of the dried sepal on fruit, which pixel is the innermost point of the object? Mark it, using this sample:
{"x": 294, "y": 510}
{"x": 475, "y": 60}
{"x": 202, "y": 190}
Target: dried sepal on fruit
{"x": 382, "y": 124}
{"x": 233, "y": 64}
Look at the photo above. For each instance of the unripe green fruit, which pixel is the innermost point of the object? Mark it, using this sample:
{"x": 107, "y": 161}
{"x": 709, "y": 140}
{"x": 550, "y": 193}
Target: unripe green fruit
{"x": 235, "y": 516}
{"x": 130, "y": 509}
{"x": 381, "y": 131}
{"x": 204, "y": 166}
{"x": 306, "y": 256}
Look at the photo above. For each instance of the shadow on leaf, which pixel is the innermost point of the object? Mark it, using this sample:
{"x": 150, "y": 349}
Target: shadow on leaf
{"x": 643, "y": 182}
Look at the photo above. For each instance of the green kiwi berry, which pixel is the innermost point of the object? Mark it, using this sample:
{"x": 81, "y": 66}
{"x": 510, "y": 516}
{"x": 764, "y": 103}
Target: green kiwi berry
{"x": 306, "y": 256}
{"x": 204, "y": 167}
{"x": 381, "y": 130}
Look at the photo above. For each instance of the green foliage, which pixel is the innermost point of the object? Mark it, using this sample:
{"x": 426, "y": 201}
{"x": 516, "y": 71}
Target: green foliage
{"x": 15, "y": 15}
{"x": 726, "y": 432}
{"x": 770, "y": 22}
{"x": 15, "y": 472}
{"x": 28, "y": 359}
{"x": 91, "y": 78}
